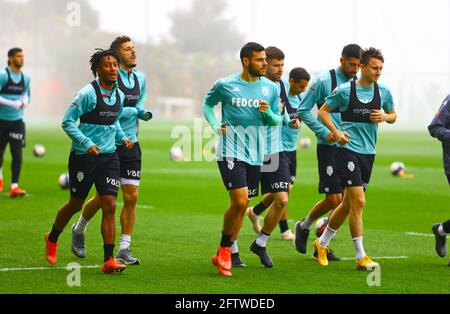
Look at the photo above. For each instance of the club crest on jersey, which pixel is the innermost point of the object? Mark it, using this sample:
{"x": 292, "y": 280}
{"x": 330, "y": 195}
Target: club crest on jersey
{"x": 329, "y": 171}
{"x": 80, "y": 176}
{"x": 236, "y": 90}
{"x": 351, "y": 166}
{"x": 230, "y": 165}
{"x": 265, "y": 91}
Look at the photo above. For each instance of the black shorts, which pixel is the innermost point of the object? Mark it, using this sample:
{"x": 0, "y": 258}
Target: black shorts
{"x": 12, "y": 132}
{"x": 329, "y": 182}
{"x": 237, "y": 174}
{"x": 448, "y": 177}
{"x": 354, "y": 169}
{"x": 86, "y": 170}
{"x": 292, "y": 162}
{"x": 278, "y": 179}
{"x": 130, "y": 164}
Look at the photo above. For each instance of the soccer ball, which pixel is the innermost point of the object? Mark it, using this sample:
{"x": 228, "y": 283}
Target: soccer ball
{"x": 304, "y": 142}
{"x": 396, "y": 167}
{"x": 321, "y": 224}
{"x": 63, "y": 181}
{"x": 176, "y": 154}
{"x": 39, "y": 150}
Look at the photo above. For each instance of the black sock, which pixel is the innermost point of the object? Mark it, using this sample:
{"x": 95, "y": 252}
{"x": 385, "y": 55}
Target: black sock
{"x": 448, "y": 177}
{"x": 283, "y": 225}
{"x": 226, "y": 240}
{"x": 54, "y": 235}
{"x": 16, "y": 164}
{"x": 259, "y": 209}
{"x": 446, "y": 226}
{"x": 108, "y": 250}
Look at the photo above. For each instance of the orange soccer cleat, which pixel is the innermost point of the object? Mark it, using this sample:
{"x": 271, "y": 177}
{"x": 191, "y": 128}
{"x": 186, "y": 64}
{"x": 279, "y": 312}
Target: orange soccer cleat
{"x": 224, "y": 261}
{"x": 50, "y": 250}
{"x": 215, "y": 259}
{"x": 16, "y": 192}
{"x": 112, "y": 266}
{"x": 1, "y": 185}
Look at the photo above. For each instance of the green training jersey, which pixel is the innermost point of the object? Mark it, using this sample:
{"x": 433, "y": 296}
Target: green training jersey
{"x": 363, "y": 134}
{"x": 319, "y": 90}
{"x": 246, "y": 126}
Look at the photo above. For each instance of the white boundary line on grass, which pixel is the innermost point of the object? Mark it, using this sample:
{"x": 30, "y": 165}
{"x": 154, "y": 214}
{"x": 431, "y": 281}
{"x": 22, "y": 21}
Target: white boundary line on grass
{"x": 138, "y": 205}
{"x": 45, "y": 268}
{"x": 419, "y": 234}
{"x": 376, "y": 257}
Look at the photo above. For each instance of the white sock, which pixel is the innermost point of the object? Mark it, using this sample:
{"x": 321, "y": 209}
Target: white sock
{"x": 80, "y": 227}
{"x": 1, "y": 173}
{"x": 306, "y": 224}
{"x": 262, "y": 239}
{"x": 441, "y": 230}
{"x": 14, "y": 185}
{"x": 327, "y": 236}
{"x": 234, "y": 247}
{"x": 125, "y": 241}
{"x": 358, "y": 242}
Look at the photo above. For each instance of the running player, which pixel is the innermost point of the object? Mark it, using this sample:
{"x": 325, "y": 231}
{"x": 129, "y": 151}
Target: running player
{"x": 14, "y": 97}
{"x": 275, "y": 182}
{"x": 249, "y": 103}
{"x": 290, "y": 91}
{"x": 93, "y": 157}
{"x": 134, "y": 85}
{"x": 329, "y": 183}
{"x": 363, "y": 105}
{"x": 440, "y": 129}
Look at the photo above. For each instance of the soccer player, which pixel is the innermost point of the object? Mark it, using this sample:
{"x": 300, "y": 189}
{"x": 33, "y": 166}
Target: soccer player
{"x": 290, "y": 91}
{"x": 440, "y": 129}
{"x": 329, "y": 184}
{"x": 274, "y": 182}
{"x": 249, "y": 103}
{"x": 93, "y": 158}
{"x": 363, "y": 105}
{"x": 14, "y": 97}
{"x": 134, "y": 85}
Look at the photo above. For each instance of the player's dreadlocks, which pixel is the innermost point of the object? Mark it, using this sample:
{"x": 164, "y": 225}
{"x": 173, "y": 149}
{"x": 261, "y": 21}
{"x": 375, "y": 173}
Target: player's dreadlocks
{"x": 98, "y": 55}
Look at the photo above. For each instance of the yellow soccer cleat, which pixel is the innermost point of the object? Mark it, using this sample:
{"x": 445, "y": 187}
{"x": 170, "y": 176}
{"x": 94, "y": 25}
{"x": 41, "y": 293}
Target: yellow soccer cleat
{"x": 366, "y": 263}
{"x": 322, "y": 252}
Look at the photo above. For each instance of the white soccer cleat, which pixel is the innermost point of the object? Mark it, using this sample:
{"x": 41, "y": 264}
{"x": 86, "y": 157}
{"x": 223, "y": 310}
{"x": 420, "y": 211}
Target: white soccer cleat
{"x": 287, "y": 235}
{"x": 254, "y": 219}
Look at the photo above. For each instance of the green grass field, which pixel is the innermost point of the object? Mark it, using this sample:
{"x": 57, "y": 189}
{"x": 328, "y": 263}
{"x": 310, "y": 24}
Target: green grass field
{"x": 180, "y": 214}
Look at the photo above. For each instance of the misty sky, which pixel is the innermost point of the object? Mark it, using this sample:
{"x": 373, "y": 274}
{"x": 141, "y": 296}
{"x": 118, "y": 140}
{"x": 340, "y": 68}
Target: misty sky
{"x": 414, "y": 36}
{"x": 411, "y": 33}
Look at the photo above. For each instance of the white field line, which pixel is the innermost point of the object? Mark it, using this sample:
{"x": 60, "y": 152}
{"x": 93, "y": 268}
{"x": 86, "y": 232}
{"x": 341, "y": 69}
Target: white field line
{"x": 45, "y": 268}
{"x": 420, "y": 234}
{"x": 376, "y": 257}
{"x": 138, "y": 206}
